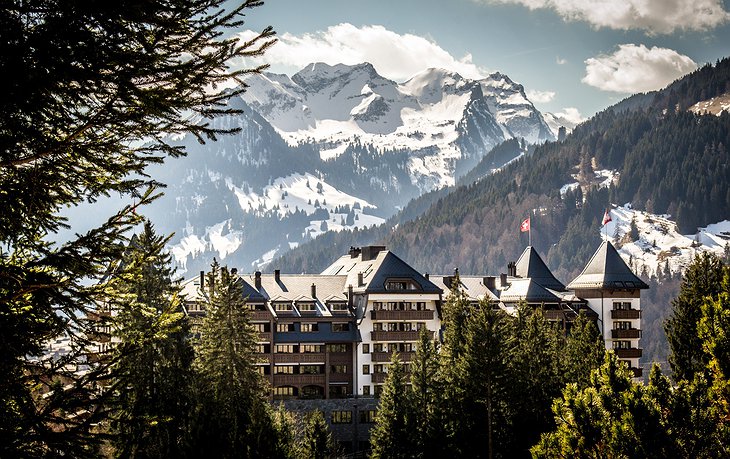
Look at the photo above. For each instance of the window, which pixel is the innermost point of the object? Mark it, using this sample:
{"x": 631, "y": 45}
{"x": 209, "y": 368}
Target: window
{"x": 312, "y": 392}
{"x": 367, "y": 416}
{"x": 255, "y": 307}
{"x": 309, "y": 327}
{"x": 421, "y": 306}
{"x": 420, "y": 325}
{"x": 392, "y": 347}
{"x": 337, "y": 347}
{"x": 263, "y": 348}
{"x": 284, "y": 370}
{"x": 366, "y": 390}
{"x": 378, "y": 326}
{"x": 379, "y": 368}
{"x": 311, "y": 348}
{"x": 338, "y": 368}
{"x": 286, "y": 348}
{"x": 396, "y": 285}
{"x": 378, "y": 347}
{"x": 263, "y": 369}
{"x": 338, "y": 391}
{"x": 284, "y": 328}
{"x": 366, "y": 369}
{"x": 283, "y": 306}
{"x": 621, "y": 305}
{"x": 339, "y": 306}
{"x": 622, "y": 344}
{"x": 284, "y": 391}
{"x": 378, "y": 390}
{"x": 366, "y": 348}
{"x": 340, "y": 326}
{"x": 622, "y": 325}
{"x": 262, "y": 327}
{"x": 377, "y": 305}
{"x": 306, "y": 307}
{"x": 311, "y": 369}
{"x": 342, "y": 417}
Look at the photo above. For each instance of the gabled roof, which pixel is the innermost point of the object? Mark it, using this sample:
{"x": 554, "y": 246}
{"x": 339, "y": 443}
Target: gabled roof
{"x": 473, "y": 286}
{"x": 376, "y": 269}
{"x": 607, "y": 270}
{"x": 530, "y": 265}
{"x": 526, "y": 290}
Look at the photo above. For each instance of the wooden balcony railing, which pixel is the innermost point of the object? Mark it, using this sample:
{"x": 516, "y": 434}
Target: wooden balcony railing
{"x": 630, "y": 353}
{"x": 385, "y": 356}
{"x": 299, "y": 380}
{"x": 626, "y": 314}
{"x": 394, "y": 335}
{"x": 315, "y": 357}
{"x": 402, "y": 315}
{"x": 631, "y": 333}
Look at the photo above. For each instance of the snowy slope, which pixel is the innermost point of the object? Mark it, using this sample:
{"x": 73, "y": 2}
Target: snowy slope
{"x": 659, "y": 243}
{"x": 331, "y": 107}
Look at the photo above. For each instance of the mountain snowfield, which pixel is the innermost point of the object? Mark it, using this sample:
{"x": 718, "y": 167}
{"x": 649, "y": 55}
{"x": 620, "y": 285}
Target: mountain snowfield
{"x": 659, "y": 244}
{"x": 333, "y": 106}
{"x": 329, "y": 148}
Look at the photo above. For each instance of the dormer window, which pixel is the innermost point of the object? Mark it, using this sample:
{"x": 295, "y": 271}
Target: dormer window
{"x": 400, "y": 284}
{"x": 306, "y": 307}
{"x": 283, "y": 306}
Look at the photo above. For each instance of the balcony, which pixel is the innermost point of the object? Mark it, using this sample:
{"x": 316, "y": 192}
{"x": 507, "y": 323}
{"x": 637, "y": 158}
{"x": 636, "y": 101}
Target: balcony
{"x": 402, "y": 315}
{"x": 385, "y": 356}
{"x": 631, "y": 333}
{"x": 299, "y": 380}
{"x": 626, "y": 314}
{"x": 378, "y": 378}
{"x": 630, "y": 353}
{"x": 260, "y": 316}
{"x": 340, "y": 357}
{"x": 264, "y": 337}
{"x": 340, "y": 377}
{"x": 394, "y": 335}
{"x": 315, "y": 357}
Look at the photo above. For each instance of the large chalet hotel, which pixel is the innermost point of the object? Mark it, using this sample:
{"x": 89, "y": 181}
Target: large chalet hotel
{"x": 331, "y": 335}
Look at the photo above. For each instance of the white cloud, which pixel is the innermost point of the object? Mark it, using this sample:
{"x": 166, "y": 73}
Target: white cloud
{"x": 540, "y": 97}
{"x": 560, "y": 61}
{"x": 633, "y": 68}
{"x": 395, "y": 56}
{"x": 571, "y": 116}
{"x": 653, "y": 16}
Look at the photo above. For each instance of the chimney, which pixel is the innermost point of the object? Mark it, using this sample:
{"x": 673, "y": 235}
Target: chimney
{"x": 360, "y": 281}
{"x": 503, "y": 280}
{"x": 277, "y": 275}
{"x": 490, "y": 282}
{"x": 354, "y": 252}
{"x": 512, "y": 269}
{"x": 426, "y": 276}
{"x": 202, "y": 279}
{"x": 234, "y": 271}
{"x": 370, "y": 252}
{"x": 350, "y": 296}
{"x": 314, "y": 291}
{"x": 257, "y": 280}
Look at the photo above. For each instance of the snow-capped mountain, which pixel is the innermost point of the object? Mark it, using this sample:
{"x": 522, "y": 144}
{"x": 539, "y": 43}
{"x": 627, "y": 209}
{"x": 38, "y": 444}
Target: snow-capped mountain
{"x": 329, "y": 148}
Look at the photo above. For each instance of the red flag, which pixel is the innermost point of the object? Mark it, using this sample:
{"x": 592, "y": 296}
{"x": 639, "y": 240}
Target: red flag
{"x": 525, "y": 226}
{"x": 606, "y": 217}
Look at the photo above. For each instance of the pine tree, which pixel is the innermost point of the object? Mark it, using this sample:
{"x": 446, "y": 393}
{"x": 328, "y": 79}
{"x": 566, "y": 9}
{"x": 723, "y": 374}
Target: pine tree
{"x": 317, "y": 440}
{"x": 487, "y": 379}
{"x": 151, "y": 364}
{"x": 424, "y": 400}
{"x": 232, "y": 410}
{"x": 702, "y": 278}
{"x": 91, "y": 94}
{"x": 389, "y": 437}
{"x": 584, "y": 351}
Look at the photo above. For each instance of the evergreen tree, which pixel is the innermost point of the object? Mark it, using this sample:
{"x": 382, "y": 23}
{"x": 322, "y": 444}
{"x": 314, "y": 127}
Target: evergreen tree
{"x": 487, "y": 379}
{"x": 92, "y": 92}
{"x": 536, "y": 362}
{"x": 232, "y": 409}
{"x": 286, "y": 446}
{"x": 317, "y": 440}
{"x": 584, "y": 351}
{"x": 424, "y": 400}
{"x": 702, "y": 278}
{"x": 151, "y": 364}
{"x": 389, "y": 437}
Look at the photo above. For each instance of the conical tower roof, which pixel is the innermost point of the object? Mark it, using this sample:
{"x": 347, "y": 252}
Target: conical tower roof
{"x": 530, "y": 265}
{"x": 607, "y": 270}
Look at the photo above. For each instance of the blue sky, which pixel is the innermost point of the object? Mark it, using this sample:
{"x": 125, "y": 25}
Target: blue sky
{"x": 579, "y": 54}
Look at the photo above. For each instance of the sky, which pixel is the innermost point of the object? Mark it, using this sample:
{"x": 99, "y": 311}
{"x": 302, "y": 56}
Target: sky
{"x": 573, "y": 57}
